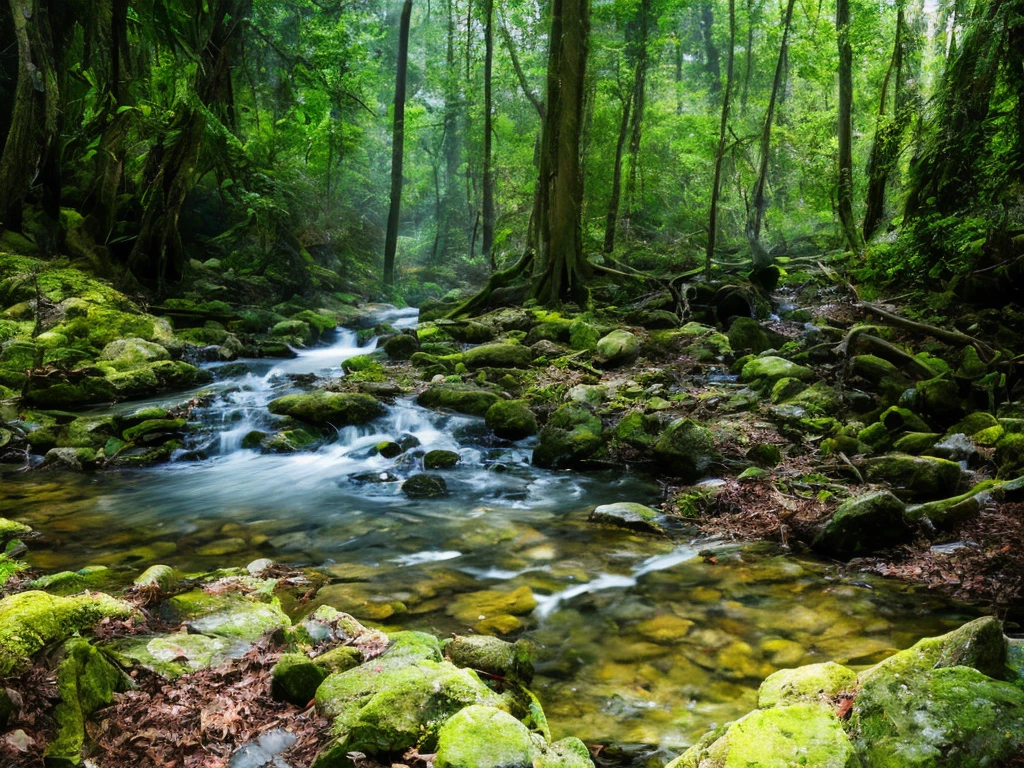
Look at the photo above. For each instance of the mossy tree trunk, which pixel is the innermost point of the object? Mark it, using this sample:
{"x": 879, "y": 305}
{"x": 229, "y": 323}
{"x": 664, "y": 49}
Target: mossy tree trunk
{"x": 32, "y": 147}
{"x": 171, "y": 167}
{"x": 488, "y": 191}
{"x": 561, "y": 269}
{"x": 844, "y": 193}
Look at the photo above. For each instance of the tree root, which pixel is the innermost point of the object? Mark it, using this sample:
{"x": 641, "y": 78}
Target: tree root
{"x": 926, "y": 329}
{"x": 474, "y": 304}
{"x": 885, "y": 350}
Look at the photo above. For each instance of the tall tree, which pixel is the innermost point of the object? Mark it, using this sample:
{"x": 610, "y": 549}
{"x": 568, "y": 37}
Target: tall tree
{"x": 32, "y": 146}
{"x": 716, "y": 186}
{"x": 488, "y": 193}
{"x": 755, "y": 216}
{"x": 397, "y": 146}
{"x": 561, "y": 269}
{"x": 844, "y": 192}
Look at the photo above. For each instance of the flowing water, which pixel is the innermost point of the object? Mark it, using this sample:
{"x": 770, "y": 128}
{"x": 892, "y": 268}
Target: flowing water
{"x": 643, "y": 640}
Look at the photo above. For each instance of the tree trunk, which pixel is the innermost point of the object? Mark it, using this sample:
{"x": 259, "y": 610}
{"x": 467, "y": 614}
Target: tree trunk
{"x": 488, "y": 192}
{"x": 761, "y": 257}
{"x": 397, "y": 147}
{"x": 171, "y": 171}
{"x": 451, "y": 220}
{"x": 888, "y": 132}
{"x": 639, "y": 101}
{"x": 33, "y": 139}
{"x": 844, "y": 197}
{"x": 561, "y": 270}
{"x": 720, "y": 152}
{"x": 711, "y": 57}
{"x": 620, "y": 150}
{"x": 749, "y": 58}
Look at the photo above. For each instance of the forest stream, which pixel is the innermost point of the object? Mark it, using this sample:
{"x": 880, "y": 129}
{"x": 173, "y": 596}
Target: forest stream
{"x": 644, "y": 641}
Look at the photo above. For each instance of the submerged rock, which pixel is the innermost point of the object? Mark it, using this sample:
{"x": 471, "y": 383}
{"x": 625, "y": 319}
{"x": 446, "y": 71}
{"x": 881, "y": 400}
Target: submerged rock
{"x": 440, "y": 459}
{"x": 322, "y": 409}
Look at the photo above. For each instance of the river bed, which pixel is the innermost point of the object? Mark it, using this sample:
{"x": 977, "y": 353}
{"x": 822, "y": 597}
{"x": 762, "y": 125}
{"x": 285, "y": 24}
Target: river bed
{"x": 642, "y": 640}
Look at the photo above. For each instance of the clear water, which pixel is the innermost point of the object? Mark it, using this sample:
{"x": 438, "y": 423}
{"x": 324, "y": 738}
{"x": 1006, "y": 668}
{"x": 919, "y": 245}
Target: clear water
{"x": 642, "y": 639}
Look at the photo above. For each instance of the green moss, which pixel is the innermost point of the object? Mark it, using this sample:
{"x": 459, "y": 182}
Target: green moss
{"x": 815, "y": 683}
{"x": 230, "y": 616}
{"x": 323, "y": 409}
{"x": 566, "y": 753}
{"x": 172, "y": 656}
{"x": 572, "y": 434}
{"x": 915, "y": 477}
{"x": 511, "y": 420}
{"x": 686, "y": 449}
{"x": 364, "y": 364}
{"x": 746, "y": 335}
{"x": 864, "y": 524}
{"x": 484, "y": 737}
{"x": 86, "y": 682}
{"x": 70, "y": 582}
{"x": 770, "y": 369}
{"x": 583, "y": 335}
{"x": 617, "y": 348}
{"x": 639, "y": 430}
{"x": 295, "y": 679}
{"x": 510, "y": 661}
{"x": 499, "y": 355}
{"x": 462, "y": 398}
{"x": 29, "y": 621}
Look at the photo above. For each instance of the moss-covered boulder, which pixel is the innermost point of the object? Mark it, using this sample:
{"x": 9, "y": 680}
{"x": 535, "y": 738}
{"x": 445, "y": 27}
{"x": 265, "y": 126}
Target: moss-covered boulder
{"x": 493, "y": 656}
{"x": 484, "y": 737}
{"x": 779, "y": 737}
{"x": 617, "y": 348}
{"x": 440, "y": 459}
{"x": 461, "y": 398}
{"x": 424, "y": 486}
{"x": 746, "y": 336}
{"x": 814, "y": 683}
{"x": 873, "y": 369}
{"x": 634, "y": 517}
{"x": 231, "y": 615}
{"x": 511, "y": 420}
{"x": 295, "y": 679}
{"x": 768, "y": 370}
{"x": 1010, "y": 455}
{"x": 639, "y": 430}
{"x": 86, "y": 682}
{"x": 950, "y": 717}
{"x": 401, "y": 347}
{"x": 863, "y": 525}
{"x": 915, "y": 477}
{"x": 499, "y": 355}
{"x": 397, "y": 701}
{"x": 572, "y": 434}
{"x": 468, "y": 331}
{"x": 323, "y": 409}
{"x": 30, "y": 621}
{"x": 686, "y": 449}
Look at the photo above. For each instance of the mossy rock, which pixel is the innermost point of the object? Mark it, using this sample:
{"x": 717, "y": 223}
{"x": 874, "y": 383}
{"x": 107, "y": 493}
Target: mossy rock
{"x": 916, "y": 443}
{"x": 863, "y": 525}
{"x": 511, "y": 420}
{"x": 295, "y": 679}
{"x": 323, "y": 409}
{"x": 440, "y": 459}
{"x": 492, "y": 656}
{"x": 86, "y": 682}
{"x": 402, "y": 346}
{"x": 286, "y": 441}
{"x": 779, "y": 737}
{"x": 634, "y": 517}
{"x": 484, "y": 737}
{"x": 462, "y": 398}
{"x": 815, "y": 683}
{"x": 764, "y": 454}
{"x": 770, "y": 369}
{"x": 424, "y": 486}
{"x": 572, "y": 434}
{"x": 231, "y": 615}
{"x": 616, "y": 349}
{"x": 939, "y": 398}
{"x": 915, "y": 477}
{"x": 639, "y": 430}
{"x": 898, "y": 420}
{"x": 686, "y": 450}
{"x": 874, "y": 369}
{"x": 499, "y": 355}
{"x": 132, "y": 353}
{"x": 583, "y": 335}
{"x": 747, "y": 336}
{"x": 152, "y": 427}
{"x": 558, "y": 330}
{"x": 1010, "y": 455}
{"x": 30, "y": 621}
{"x": 72, "y": 582}
{"x": 468, "y": 332}
{"x": 950, "y": 717}
{"x": 365, "y": 364}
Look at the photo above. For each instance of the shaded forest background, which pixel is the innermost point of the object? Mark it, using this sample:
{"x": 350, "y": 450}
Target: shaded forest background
{"x": 141, "y": 136}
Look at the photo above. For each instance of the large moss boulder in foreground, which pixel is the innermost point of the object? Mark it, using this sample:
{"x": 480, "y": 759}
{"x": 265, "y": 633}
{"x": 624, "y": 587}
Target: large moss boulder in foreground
{"x": 863, "y": 525}
{"x": 484, "y": 737}
{"x": 30, "y": 621}
{"x": 511, "y": 420}
{"x": 399, "y": 700}
{"x": 500, "y": 355}
{"x": 780, "y": 737}
{"x": 322, "y": 409}
{"x": 461, "y": 398}
{"x": 686, "y": 449}
{"x": 572, "y": 434}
